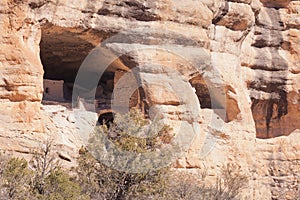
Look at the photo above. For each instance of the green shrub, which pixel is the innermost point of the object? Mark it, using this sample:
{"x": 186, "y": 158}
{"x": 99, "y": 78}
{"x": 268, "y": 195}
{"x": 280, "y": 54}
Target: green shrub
{"x": 96, "y": 180}
{"x": 16, "y": 179}
{"x": 132, "y": 132}
{"x": 102, "y": 181}
{"x": 49, "y": 181}
{"x": 59, "y": 186}
{"x": 19, "y": 182}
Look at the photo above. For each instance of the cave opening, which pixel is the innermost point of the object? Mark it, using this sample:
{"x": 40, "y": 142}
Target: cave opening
{"x": 201, "y": 91}
{"x": 62, "y": 51}
{"x": 203, "y": 94}
{"x": 223, "y": 105}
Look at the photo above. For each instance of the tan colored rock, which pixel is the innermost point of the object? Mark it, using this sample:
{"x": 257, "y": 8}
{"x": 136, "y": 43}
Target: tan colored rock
{"x": 20, "y": 71}
{"x": 242, "y": 54}
{"x": 275, "y": 3}
{"x": 239, "y": 17}
{"x": 270, "y": 18}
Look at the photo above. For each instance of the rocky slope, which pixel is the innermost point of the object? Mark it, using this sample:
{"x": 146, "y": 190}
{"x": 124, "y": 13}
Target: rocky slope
{"x": 226, "y": 71}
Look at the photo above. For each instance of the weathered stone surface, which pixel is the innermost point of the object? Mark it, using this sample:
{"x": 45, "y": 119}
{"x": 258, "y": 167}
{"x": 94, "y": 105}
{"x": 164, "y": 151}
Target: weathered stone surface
{"x": 20, "y": 70}
{"x": 228, "y": 71}
{"x": 272, "y": 61}
{"x": 270, "y": 18}
{"x": 275, "y": 3}
{"x": 238, "y": 17}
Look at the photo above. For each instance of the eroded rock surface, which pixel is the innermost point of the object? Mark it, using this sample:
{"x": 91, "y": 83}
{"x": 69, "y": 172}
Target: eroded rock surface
{"x": 228, "y": 70}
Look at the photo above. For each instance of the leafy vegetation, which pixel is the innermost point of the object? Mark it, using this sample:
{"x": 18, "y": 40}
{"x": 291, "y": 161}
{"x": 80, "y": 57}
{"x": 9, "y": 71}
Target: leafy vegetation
{"x": 130, "y": 133}
{"x": 43, "y": 178}
{"x": 16, "y": 179}
{"x": 19, "y": 181}
{"x": 102, "y": 182}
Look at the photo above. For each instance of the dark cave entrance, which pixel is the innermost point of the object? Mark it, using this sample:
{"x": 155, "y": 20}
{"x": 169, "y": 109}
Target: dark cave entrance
{"x": 216, "y": 99}
{"x": 62, "y": 51}
{"x": 202, "y": 91}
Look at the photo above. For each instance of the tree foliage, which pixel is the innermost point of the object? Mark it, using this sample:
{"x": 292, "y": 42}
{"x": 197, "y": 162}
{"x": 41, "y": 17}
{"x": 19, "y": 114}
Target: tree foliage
{"x": 129, "y": 133}
{"x": 43, "y": 178}
{"x": 21, "y": 182}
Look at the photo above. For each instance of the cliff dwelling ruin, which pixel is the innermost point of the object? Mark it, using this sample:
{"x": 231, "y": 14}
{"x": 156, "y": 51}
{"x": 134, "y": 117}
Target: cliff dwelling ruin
{"x": 62, "y": 52}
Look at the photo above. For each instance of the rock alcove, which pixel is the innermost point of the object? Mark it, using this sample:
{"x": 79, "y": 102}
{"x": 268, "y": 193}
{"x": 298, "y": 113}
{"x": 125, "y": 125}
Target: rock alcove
{"x": 62, "y": 51}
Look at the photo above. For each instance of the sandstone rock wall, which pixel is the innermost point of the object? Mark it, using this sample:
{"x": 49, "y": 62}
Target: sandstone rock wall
{"x": 21, "y": 70}
{"x": 272, "y": 78}
{"x": 228, "y": 70}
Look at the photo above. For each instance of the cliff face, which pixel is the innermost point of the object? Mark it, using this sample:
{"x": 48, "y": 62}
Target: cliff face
{"x": 275, "y": 99}
{"x": 238, "y": 82}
